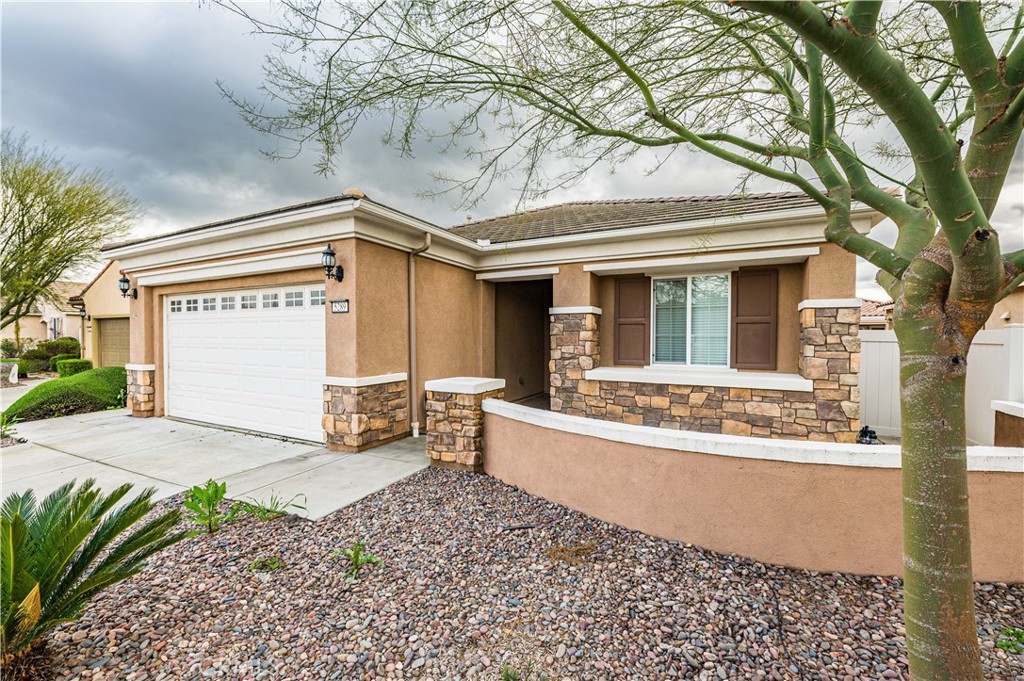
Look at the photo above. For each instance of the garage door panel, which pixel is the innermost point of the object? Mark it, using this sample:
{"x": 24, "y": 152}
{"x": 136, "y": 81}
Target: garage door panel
{"x": 258, "y": 369}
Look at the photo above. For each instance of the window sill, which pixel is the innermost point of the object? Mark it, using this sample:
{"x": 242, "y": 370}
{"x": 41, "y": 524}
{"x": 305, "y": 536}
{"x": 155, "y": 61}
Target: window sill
{"x": 702, "y": 376}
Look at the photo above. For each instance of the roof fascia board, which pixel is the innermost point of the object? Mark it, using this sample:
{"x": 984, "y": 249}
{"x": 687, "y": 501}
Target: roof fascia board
{"x": 262, "y": 264}
{"x": 777, "y": 256}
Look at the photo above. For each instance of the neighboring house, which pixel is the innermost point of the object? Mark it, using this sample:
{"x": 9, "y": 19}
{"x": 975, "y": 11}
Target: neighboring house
{"x": 873, "y": 314}
{"x": 710, "y": 313}
{"x": 49, "y": 319}
{"x": 105, "y": 337}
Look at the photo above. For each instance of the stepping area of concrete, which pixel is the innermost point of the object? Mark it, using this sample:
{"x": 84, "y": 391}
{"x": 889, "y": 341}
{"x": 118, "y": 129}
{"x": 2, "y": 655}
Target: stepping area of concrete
{"x": 172, "y": 455}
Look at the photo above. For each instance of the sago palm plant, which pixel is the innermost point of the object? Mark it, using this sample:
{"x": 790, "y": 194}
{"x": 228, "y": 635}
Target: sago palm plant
{"x": 57, "y": 555}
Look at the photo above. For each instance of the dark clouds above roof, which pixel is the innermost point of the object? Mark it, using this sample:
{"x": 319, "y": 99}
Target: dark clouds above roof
{"x": 131, "y": 88}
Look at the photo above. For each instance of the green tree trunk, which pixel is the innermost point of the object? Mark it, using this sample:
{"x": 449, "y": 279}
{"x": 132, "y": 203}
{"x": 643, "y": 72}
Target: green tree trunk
{"x": 942, "y": 636}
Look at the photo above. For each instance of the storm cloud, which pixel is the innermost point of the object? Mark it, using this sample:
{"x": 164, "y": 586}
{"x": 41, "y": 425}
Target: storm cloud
{"x": 132, "y": 88}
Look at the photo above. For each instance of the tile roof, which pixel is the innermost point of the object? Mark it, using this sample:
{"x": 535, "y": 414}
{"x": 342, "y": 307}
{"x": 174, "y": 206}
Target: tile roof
{"x": 580, "y": 217}
{"x": 874, "y": 308}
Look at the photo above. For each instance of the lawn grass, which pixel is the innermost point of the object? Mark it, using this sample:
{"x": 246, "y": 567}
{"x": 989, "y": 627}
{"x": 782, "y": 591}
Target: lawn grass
{"x": 93, "y": 390}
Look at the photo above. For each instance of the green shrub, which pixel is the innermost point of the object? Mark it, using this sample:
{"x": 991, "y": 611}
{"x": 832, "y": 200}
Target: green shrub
{"x": 36, "y": 354}
{"x": 59, "y": 554}
{"x": 70, "y": 367}
{"x": 65, "y": 345}
{"x": 60, "y": 358}
{"x": 8, "y": 348}
{"x": 32, "y": 366}
{"x": 92, "y": 390}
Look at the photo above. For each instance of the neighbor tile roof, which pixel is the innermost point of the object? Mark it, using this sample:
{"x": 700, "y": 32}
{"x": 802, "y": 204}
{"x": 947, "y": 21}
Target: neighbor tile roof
{"x": 874, "y": 308}
{"x": 580, "y": 217}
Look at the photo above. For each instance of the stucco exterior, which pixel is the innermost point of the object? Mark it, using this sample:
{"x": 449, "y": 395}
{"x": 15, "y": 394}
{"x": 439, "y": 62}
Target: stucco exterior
{"x": 464, "y": 327}
{"x": 818, "y": 517}
{"x": 101, "y": 300}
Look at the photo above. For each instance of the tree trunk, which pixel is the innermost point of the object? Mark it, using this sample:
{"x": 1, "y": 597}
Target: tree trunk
{"x": 942, "y": 637}
{"x": 17, "y": 337}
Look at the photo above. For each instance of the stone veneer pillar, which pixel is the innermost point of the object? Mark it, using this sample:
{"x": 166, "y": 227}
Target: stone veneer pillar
{"x": 455, "y": 420}
{"x": 141, "y": 382}
{"x": 575, "y": 348}
{"x": 830, "y": 358}
{"x": 364, "y": 413}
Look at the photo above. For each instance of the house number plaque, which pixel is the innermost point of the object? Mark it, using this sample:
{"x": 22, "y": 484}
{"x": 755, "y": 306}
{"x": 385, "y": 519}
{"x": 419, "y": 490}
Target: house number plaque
{"x": 339, "y": 306}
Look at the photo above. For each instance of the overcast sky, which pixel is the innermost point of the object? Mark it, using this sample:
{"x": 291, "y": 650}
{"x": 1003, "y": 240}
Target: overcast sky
{"x": 131, "y": 88}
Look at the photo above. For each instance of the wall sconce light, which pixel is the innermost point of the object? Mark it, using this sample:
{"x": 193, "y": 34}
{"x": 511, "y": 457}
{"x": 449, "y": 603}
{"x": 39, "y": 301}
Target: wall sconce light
{"x": 330, "y": 262}
{"x": 81, "y": 312}
{"x": 126, "y": 287}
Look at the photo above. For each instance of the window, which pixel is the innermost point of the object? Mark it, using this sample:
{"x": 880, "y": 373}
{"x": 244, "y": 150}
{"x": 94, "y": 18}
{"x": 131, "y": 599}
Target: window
{"x": 209, "y": 304}
{"x": 691, "y": 320}
{"x": 317, "y": 297}
{"x": 191, "y": 305}
{"x": 293, "y": 298}
{"x": 175, "y": 306}
{"x": 249, "y": 302}
{"x": 227, "y": 302}
{"x": 270, "y": 300}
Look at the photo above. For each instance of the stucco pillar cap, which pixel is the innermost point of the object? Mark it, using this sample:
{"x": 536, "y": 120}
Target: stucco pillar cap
{"x": 466, "y": 385}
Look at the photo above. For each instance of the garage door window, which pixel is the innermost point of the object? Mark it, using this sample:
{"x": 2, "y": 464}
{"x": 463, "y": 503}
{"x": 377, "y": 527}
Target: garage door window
{"x": 317, "y": 297}
{"x": 209, "y": 304}
{"x": 270, "y": 300}
{"x": 175, "y": 306}
{"x": 249, "y": 302}
{"x": 293, "y": 298}
{"x": 192, "y": 305}
{"x": 227, "y": 303}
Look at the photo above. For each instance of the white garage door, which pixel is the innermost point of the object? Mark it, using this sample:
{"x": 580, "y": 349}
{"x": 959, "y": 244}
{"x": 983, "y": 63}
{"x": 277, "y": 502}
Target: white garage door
{"x": 251, "y": 359}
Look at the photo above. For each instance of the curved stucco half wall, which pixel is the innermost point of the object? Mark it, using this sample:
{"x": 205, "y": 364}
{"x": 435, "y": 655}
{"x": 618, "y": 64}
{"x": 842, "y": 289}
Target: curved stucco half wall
{"x": 790, "y": 503}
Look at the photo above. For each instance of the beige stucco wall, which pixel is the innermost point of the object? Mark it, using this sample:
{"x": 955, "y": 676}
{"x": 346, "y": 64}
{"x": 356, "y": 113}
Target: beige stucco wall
{"x": 830, "y": 274}
{"x": 454, "y": 324}
{"x": 382, "y": 341}
{"x": 103, "y": 300}
{"x": 572, "y": 287}
{"x": 816, "y": 517}
{"x": 1012, "y": 304}
{"x": 32, "y": 328}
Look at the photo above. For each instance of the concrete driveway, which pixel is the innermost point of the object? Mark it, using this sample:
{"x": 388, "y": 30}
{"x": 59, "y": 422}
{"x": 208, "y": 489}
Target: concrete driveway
{"x": 172, "y": 456}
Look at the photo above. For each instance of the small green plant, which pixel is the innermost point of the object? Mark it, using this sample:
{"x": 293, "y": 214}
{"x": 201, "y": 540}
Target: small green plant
{"x": 7, "y": 428}
{"x": 510, "y": 673}
{"x": 357, "y": 558}
{"x": 274, "y": 507}
{"x": 204, "y": 503}
{"x": 60, "y": 358}
{"x": 1011, "y": 639}
{"x": 266, "y": 564}
{"x": 122, "y": 400}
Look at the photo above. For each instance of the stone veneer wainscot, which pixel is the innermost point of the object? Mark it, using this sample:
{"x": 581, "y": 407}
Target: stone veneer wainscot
{"x": 366, "y": 414}
{"x": 141, "y": 389}
{"x": 455, "y": 420}
{"x": 830, "y": 359}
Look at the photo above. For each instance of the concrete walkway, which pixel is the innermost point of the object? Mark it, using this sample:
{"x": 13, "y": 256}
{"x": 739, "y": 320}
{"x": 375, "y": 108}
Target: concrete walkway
{"x": 9, "y": 396}
{"x": 171, "y": 455}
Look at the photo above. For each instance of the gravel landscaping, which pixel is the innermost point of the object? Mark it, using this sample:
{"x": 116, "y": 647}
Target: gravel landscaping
{"x": 466, "y": 585}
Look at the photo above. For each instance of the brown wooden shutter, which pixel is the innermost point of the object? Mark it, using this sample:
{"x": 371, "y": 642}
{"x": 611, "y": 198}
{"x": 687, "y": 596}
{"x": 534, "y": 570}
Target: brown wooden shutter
{"x": 755, "y": 312}
{"x": 633, "y": 320}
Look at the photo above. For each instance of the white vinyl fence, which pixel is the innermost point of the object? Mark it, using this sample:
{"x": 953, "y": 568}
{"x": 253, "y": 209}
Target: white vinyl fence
{"x": 995, "y": 371}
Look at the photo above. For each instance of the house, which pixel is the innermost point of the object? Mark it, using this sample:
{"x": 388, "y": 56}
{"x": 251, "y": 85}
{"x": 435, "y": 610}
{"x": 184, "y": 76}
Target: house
{"x": 721, "y": 314}
{"x": 51, "y": 317}
{"x": 105, "y": 333}
{"x": 876, "y": 314}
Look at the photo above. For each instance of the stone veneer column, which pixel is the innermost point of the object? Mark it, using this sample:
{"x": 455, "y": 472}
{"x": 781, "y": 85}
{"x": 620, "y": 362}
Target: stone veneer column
{"x": 141, "y": 382}
{"x": 575, "y": 348}
{"x": 358, "y": 417}
{"x": 455, "y": 420}
{"x": 830, "y": 358}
